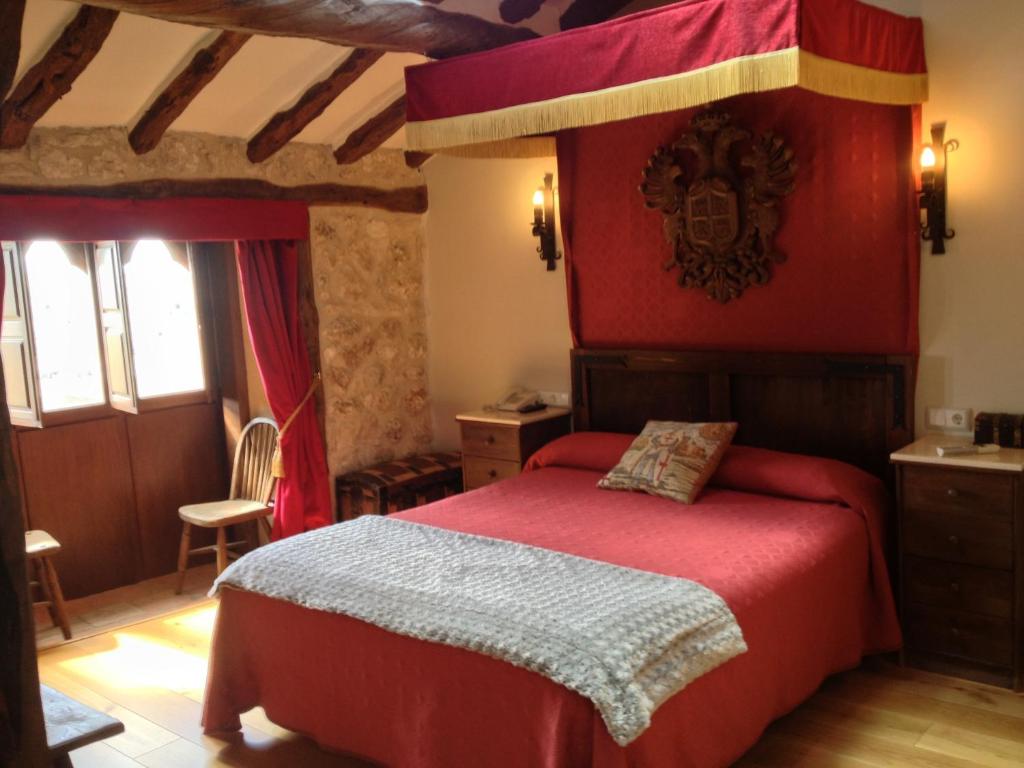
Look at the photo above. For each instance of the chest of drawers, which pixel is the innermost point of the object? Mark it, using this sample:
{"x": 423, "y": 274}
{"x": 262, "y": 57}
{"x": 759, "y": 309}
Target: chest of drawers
{"x": 961, "y": 562}
{"x": 496, "y": 444}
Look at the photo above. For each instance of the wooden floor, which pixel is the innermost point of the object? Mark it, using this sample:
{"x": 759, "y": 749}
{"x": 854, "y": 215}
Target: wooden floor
{"x": 126, "y": 605}
{"x": 151, "y": 675}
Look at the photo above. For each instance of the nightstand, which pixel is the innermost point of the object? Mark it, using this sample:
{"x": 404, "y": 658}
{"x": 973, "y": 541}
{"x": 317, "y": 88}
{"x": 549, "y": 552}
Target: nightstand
{"x": 496, "y": 444}
{"x": 961, "y": 560}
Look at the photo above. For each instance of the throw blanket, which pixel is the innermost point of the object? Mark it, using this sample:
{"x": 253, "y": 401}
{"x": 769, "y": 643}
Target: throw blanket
{"x": 626, "y": 639}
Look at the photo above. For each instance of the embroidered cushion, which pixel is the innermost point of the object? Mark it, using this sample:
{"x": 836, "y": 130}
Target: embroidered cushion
{"x": 671, "y": 459}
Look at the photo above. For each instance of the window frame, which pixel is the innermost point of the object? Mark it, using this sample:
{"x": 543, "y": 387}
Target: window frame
{"x": 108, "y": 409}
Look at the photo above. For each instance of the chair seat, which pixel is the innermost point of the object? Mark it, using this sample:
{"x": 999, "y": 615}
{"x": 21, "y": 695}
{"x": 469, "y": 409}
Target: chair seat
{"x": 40, "y": 544}
{"x": 214, "y": 514}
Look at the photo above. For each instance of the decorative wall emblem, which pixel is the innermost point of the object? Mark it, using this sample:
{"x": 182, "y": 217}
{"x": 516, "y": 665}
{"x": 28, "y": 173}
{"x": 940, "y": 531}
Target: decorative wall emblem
{"x": 718, "y": 187}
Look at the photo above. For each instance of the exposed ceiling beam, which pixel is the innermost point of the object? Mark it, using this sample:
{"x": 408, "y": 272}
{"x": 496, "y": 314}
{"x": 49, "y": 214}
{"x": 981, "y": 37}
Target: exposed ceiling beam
{"x": 514, "y": 11}
{"x": 416, "y": 159}
{"x": 400, "y": 200}
{"x": 583, "y": 13}
{"x": 374, "y": 132}
{"x": 287, "y": 124}
{"x": 53, "y": 75}
{"x": 400, "y": 25}
{"x": 173, "y": 100}
{"x": 11, "y": 14}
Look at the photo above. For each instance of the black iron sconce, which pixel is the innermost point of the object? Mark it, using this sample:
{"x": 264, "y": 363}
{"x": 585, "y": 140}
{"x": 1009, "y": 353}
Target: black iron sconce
{"x": 933, "y": 188}
{"x": 544, "y": 222}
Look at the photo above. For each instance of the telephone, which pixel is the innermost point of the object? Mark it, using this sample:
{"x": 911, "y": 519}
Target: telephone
{"x": 521, "y": 400}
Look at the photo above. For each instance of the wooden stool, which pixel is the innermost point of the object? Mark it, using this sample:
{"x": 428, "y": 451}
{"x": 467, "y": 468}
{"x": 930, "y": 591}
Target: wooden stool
{"x": 71, "y": 724}
{"x": 39, "y": 548}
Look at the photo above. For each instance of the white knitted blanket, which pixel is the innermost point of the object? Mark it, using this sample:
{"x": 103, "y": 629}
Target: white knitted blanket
{"x": 625, "y": 639}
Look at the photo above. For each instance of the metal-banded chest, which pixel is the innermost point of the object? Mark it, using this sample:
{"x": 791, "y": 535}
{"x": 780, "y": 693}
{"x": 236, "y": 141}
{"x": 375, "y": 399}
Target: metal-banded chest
{"x": 961, "y": 553}
{"x": 495, "y": 444}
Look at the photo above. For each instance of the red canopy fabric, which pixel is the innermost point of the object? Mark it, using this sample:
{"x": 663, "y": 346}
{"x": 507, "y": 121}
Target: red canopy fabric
{"x": 86, "y": 219}
{"x": 683, "y": 55}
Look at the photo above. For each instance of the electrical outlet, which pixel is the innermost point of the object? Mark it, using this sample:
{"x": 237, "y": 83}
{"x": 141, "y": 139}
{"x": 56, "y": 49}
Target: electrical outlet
{"x": 555, "y": 398}
{"x": 958, "y": 418}
{"x": 953, "y": 419}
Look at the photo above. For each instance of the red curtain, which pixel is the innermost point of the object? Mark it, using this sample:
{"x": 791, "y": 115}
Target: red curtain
{"x": 269, "y": 276}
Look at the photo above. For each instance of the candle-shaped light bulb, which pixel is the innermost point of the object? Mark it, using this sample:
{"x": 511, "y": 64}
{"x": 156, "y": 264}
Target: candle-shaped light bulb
{"x": 927, "y": 167}
{"x": 538, "y": 207}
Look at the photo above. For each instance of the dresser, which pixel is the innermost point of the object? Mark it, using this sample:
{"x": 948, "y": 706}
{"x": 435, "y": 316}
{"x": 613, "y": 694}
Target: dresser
{"x": 496, "y": 444}
{"x": 961, "y": 561}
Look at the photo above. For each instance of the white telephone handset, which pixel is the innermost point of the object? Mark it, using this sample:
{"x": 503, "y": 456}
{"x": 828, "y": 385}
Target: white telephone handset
{"x": 521, "y": 400}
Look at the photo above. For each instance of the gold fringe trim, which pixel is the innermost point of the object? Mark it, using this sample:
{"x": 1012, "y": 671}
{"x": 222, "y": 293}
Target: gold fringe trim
{"x": 850, "y": 81}
{"x": 745, "y": 74}
{"x": 523, "y": 147}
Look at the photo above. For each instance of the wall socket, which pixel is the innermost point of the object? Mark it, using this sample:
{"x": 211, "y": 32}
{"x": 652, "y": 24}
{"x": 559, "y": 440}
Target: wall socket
{"x": 555, "y": 398}
{"x": 954, "y": 419}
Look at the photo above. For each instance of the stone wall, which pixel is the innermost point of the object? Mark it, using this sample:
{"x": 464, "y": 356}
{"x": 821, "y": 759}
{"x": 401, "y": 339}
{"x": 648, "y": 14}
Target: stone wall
{"x": 367, "y": 267}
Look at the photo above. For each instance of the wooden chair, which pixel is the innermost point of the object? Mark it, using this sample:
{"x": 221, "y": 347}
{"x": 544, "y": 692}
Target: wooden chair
{"x": 252, "y": 486}
{"x": 39, "y": 548}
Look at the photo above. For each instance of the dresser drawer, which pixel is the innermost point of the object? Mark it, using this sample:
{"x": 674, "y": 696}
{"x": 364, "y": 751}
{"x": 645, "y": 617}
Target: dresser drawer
{"x": 980, "y": 494}
{"x": 967, "y": 635}
{"x": 479, "y": 471}
{"x": 959, "y": 587}
{"x": 495, "y": 441}
{"x": 961, "y": 537}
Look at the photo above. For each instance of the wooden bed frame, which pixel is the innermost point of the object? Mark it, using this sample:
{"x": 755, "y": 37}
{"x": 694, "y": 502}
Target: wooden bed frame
{"x": 856, "y": 408}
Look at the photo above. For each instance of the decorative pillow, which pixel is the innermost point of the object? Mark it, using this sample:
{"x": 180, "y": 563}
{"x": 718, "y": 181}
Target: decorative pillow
{"x": 672, "y": 459}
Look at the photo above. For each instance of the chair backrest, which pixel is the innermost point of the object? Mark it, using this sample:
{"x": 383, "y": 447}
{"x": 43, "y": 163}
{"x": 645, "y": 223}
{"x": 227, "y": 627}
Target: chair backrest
{"x": 251, "y": 476}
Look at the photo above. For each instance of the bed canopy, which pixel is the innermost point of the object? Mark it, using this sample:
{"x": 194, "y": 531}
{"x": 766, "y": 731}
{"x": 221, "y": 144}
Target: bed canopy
{"x": 506, "y": 102}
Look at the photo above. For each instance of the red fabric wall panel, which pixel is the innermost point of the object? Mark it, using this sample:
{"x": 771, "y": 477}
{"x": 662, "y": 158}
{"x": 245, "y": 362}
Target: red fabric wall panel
{"x": 850, "y": 283}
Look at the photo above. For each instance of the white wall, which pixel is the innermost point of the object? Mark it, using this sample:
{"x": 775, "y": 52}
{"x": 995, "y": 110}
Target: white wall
{"x": 972, "y": 298}
{"x": 495, "y": 316}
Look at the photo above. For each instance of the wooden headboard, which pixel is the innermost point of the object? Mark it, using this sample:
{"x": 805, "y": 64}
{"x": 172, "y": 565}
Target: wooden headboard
{"x": 856, "y": 408}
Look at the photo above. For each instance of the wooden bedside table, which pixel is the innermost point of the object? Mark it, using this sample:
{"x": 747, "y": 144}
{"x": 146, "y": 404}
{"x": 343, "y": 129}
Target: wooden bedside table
{"x": 961, "y": 552}
{"x": 496, "y": 444}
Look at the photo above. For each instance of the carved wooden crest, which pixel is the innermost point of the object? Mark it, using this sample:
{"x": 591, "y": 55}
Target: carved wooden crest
{"x": 718, "y": 187}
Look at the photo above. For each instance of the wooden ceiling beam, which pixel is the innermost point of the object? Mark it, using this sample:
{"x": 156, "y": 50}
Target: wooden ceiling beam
{"x": 371, "y": 134}
{"x": 52, "y": 76}
{"x": 189, "y": 83}
{"x": 416, "y": 159}
{"x": 287, "y": 124}
{"x": 399, "y": 25}
{"x": 400, "y": 200}
{"x": 583, "y": 13}
{"x": 11, "y": 14}
{"x": 514, "y": 11}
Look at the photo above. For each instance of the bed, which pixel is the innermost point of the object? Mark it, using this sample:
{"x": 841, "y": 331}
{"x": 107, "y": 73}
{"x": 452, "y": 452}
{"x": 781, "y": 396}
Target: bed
{"x": 793, "y": 543}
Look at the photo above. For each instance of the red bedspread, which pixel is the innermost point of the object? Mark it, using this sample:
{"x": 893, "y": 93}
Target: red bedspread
{"x": 804, "y": 578}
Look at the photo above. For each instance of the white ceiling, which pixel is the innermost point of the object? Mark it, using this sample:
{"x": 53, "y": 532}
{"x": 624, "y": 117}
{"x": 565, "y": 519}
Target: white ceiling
{"x": 268, "y": 74}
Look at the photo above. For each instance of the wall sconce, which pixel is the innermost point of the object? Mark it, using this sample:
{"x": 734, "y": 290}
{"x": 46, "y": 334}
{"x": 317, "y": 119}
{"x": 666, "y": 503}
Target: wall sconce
{"x": 544, "y": 222}
{"x": 933, "y": 188}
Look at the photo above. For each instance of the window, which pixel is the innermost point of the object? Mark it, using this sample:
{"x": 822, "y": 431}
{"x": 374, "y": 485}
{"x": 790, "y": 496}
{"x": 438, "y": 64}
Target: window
{"x": 96, "y": 325}
{"x": 64, "y": 326}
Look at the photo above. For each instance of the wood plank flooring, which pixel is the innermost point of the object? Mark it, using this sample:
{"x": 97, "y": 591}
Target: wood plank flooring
{"x": 125, "y": 605}
{"x": 151, "y": 676}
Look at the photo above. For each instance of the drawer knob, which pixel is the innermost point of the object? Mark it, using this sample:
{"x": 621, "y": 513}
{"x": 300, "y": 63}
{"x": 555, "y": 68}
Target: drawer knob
{"x": 955, "y": 632}
{"x": 954, "y": 540}
{"x": 952, "y": 492}
{"x": 489, "y": 440}
{"x": 954, "y": 587}
{"x": 492, "y": 473}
